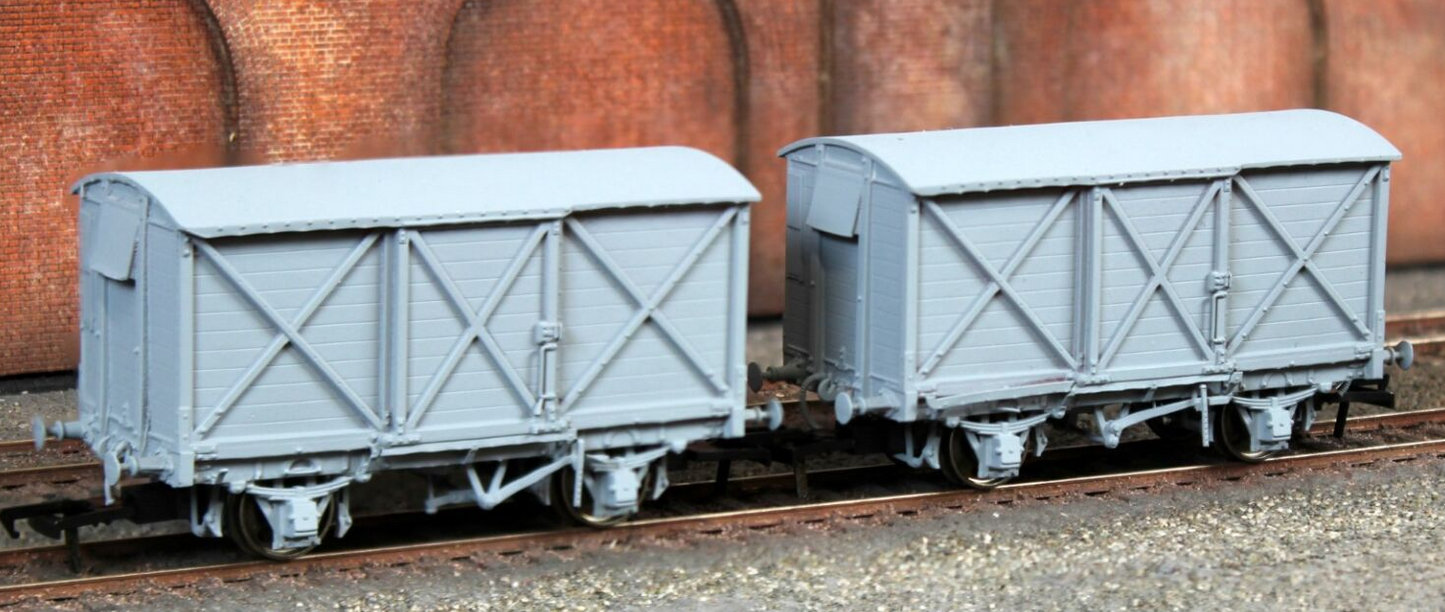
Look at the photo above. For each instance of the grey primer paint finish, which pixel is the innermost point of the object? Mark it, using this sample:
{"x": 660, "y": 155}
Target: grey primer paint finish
{"x": 1016, "y": 273}
{"x": 514, "y": 314}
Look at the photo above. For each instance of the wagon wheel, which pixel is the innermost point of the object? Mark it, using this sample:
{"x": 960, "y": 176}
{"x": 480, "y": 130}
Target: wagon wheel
{"x": 562, "y": 484}
{"x": 959, "y": 464}
{"x": 251, "y": 532}
{"x": 1233, "y": 437}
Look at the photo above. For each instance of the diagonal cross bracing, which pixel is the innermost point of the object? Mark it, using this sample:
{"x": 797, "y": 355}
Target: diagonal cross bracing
{"x": 648, "y": 306}
{"x": 476, "y": 323}
{"x": 998, "y": 281}
{"x": 1158, "y": 273}
{"x": 287, "y": 333}
{"x": 1302, "y": 258}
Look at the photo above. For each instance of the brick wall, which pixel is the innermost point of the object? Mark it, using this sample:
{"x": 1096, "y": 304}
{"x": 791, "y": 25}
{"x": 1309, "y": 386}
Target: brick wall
{"x": 1071, "y": 61}
{"x": 1386, "y": 67}
{"x": 885, "y": 78}
{"x": 609, "y": 74}
{"x": 87, "y": 84}
{"x": 782, "y": 41}
{"x": 318, "y": 80}
{"x": 83, "y": 82}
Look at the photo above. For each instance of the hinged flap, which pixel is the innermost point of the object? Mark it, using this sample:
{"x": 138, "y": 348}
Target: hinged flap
{"x": 836, "y": 196}
{"x": 115, "y": 240}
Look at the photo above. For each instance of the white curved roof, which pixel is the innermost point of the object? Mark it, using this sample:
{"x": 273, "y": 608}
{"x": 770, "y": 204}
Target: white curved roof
{"x": 1104, "y": 152}
{"x": 415, "y": 191}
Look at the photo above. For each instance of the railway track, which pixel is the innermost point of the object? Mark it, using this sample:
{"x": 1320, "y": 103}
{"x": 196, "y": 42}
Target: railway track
{"x": 873, "y": 509}
{"x": 64, "y": 474}
{"x": 11, "y": 448}
{"x": 72, "y": 464}
{"x": 18, "y": 447}
{"x": 691, "y": 525}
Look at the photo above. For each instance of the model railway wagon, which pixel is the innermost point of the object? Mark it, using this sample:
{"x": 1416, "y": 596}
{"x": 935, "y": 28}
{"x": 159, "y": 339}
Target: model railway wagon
{"x": 255, "y": 340}
{"x": 265, "y": 336}
{"x": 1189, "y": 271}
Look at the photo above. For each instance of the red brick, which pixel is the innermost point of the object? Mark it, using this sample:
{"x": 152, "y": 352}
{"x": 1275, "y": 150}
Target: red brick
{"x": 1386, "y": 67}
{"x": 92, "y": 83}
{"x": 900, "y": 65}
{"x": 82, "y": 83}
{"x": 349, "y": 79}
{"x": 571, "y": 74}
{"x": 1065, "y": 61}
{"x": 782, "y": 49}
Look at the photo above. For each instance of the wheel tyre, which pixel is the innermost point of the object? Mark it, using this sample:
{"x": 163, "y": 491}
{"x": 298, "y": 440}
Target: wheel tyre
{"x": 249, "y": 530}
{"x": 562, "y": 483}
{"x": 946, "y": 463}
{"x": 1232, "y": 437}
{"x": 959, "y": 464}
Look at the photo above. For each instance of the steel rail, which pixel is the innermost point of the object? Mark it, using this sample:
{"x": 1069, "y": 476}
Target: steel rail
{"x": 116, "y": 547}
{"x": 68, "y": 473}
{"x": 17, "y": 447}
{"x": 57, "y": 553}
{"x": 1372, "y": 422}
{"x": 741, "y": 521}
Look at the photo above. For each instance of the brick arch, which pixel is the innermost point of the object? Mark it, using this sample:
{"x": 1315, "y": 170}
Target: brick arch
{"x": 903, "y": 65}
{"x": 84, "y": 83}
{"x": 220, "y": 51}
{"x": 567, "y": 74}
{"x": 319, "y": 80}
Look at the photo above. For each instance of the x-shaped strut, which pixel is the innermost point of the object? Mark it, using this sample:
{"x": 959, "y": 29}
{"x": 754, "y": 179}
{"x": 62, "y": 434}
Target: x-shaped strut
{"x": 1158, "y": 273}
{"x": 287, "y": 334}
{"x": 648, "y": 307}
{"x": 998, "y": 282}
{"x": 476, "y": 322}
{"x": 1302, "y": 257}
